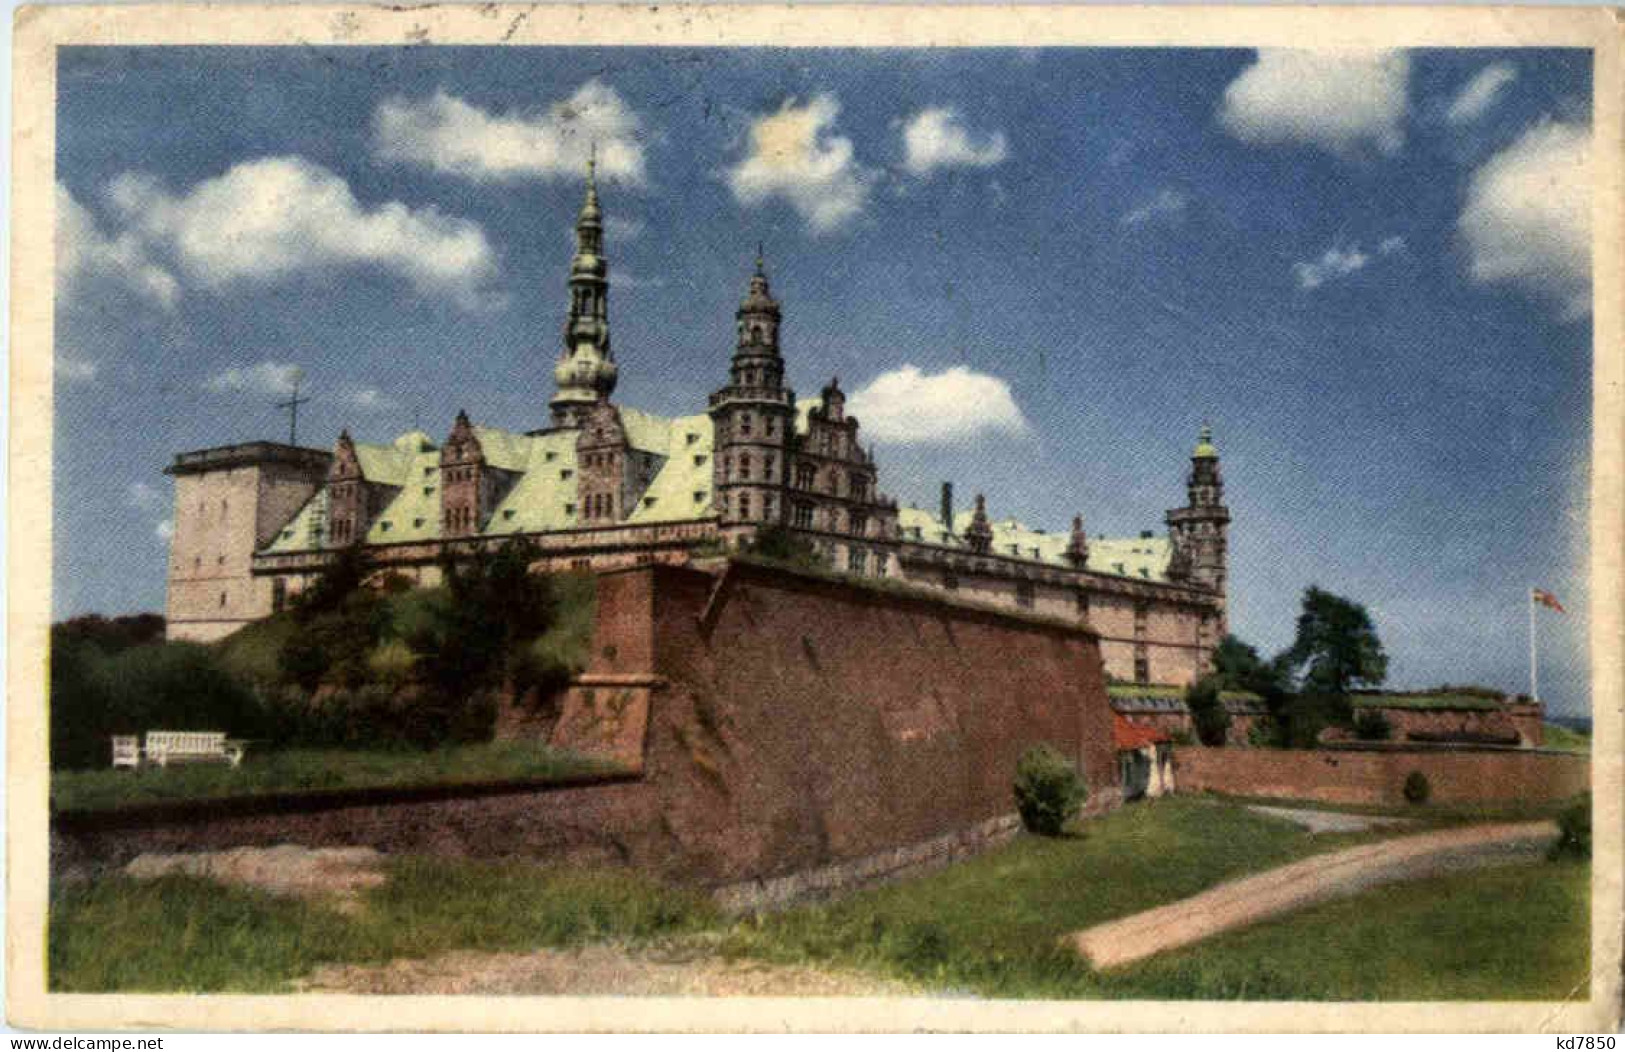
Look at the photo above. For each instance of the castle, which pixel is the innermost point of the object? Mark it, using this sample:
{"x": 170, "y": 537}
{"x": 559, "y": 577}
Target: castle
{"x": 605, "y": 485}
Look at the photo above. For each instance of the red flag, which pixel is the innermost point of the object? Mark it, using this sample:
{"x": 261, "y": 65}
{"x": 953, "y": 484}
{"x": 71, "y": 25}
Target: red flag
{"x": 1545, "y": 598}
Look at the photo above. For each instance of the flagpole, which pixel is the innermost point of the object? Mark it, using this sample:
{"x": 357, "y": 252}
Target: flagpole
{"x": 1534, "y": 658}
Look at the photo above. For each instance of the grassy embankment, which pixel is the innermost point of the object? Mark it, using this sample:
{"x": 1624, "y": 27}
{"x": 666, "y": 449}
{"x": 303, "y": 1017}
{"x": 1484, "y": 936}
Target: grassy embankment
{"x": 309, "y": 770}
{"x": 1557, "y": 736}
{"x": 251, "y": 657}
{"x": 988, "y": 926}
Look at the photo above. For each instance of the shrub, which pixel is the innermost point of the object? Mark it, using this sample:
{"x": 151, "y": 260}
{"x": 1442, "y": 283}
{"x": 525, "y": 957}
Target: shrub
{"x": 1417, "y": 789}
{"x": 1372, "y": 726}
{"x": 1208, "y": 714}
{"x": 1265, "y": 733}
{"x": 390, "y": 664}
{"x": 1048, "y": 790}
{"x": 159, "y": 686}
{"x": 1574, "y": 831}
{"x": 786, "y": 546}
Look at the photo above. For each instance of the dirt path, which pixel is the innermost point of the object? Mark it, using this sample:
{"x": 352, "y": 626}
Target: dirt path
{"x": 595, "y": 970}
{"x": 1336, "y": 874}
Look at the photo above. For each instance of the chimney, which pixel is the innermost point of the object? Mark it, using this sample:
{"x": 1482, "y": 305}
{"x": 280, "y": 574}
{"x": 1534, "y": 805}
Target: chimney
{"x": 948, "y": 508}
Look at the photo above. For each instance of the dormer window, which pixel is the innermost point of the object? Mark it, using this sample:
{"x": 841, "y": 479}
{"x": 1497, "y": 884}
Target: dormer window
{"x": 550, "y": 456}
{"x": 691, "y": 438}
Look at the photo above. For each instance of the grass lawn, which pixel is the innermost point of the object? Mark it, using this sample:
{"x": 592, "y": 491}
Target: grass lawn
{"x": 1513, "y": 933}
{"x": 296, "y": 770}
{"x": 988, "y": 926}
{"x": 1557, "y": 736}
{"x": 183, "y": 934}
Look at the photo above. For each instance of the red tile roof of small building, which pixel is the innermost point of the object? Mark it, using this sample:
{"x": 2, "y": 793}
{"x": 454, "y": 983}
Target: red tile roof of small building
{"x": 1128, "y": 735}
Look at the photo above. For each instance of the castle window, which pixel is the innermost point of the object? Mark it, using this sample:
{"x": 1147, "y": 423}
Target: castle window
{"x": 767, "y": 507}
{"x": 880, "y": 564}
{"x": 802, "y": 516}
{"x": 428, "y": 473}
{"x": 744, "y": 505}
{"x": 197, "y": 562}
{"x": 428, "y": 491}
{"x": 767, "y": 468}
{"x": 649, "y": 502}
{"x": 580, "y": 564}
{"x": 220, "y": 560}
{"x": 692, "y": 438}
{"x": 383, "y": 527}
{"x": 857, "y": 560}
{"x": 772, "y": 425}
{"x": 549, "y": 457}
{"x": 222, "y": 598}
{"x": 1142, "y": 669}
{"x": 699, "y": 496}
{"x": 1083, "y": 603}
{"x": 699, "y": 460}
{"x": 744, "y": 466}
{"x": 566, "y": 474}
{"x": 417, "y": 524}
{"x": 570, "y": 509}
{"x": 860, "y": 487}
{"x": 279, "y": 594}
{"x": 859, "y": 524}
{"x": 1024, "y": 594}
{"x": 805, "y": 476}
{"x": 507, "y": 515}
{"x": 744, "y": 423}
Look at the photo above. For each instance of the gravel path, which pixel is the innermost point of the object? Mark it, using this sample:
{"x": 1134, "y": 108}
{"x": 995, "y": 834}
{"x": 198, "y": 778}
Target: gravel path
{"x": 1336, "y": 874}
{"x": 1330, "y": 821}
{"x": 599, "y": 970}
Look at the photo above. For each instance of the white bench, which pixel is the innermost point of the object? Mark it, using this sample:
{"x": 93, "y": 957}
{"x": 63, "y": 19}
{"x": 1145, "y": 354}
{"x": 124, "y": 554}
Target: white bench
{"x": 126, "y": 750}
{"x": 165, "y": 747}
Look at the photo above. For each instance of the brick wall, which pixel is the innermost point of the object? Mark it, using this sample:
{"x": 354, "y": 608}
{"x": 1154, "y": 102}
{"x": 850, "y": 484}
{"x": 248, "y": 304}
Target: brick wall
{"x": 1377, "y": 776}
{"x": 786, "y": 723}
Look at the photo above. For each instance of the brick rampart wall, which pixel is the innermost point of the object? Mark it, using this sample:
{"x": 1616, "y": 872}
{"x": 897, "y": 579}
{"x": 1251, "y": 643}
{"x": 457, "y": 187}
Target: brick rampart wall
{"x": 786, "y": 723}
{"x": 1377, "y": 776}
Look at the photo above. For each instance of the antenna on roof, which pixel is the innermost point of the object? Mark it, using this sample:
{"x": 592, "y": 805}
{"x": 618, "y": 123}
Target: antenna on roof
{"x": 292, "y": 406}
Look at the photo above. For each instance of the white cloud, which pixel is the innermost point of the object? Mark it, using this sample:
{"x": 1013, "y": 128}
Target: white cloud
{"x": 619, "y": 228}
{"x": 1167, "y": 204}
{"x": 937, "y": 138}
{"x": 1527, "y": 219}
{"x": 1341, "y": 101}
{"x": 73, "y": 369}
{"x": 795, "y": 155}
{"x": 84, "y": 253}
{"x": 1334, "y": 263}
{"x": 144, "y": 497}
{"x": 1389, "y": 245}
{"x": 264, "y": 378}
{"x": 369, "y": 400}
{"x": 907, "y": 406}
{"x": 446, "y": 134}
{"x": 1481, "y": 92}
{"x": 165, "y": 530}
{"x": 266, "y": 219}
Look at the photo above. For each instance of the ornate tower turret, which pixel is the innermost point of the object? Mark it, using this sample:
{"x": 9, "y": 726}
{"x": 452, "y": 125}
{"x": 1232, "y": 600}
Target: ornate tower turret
{"x": 979, "y": 534}
{"x": 1077, "y": 546}
{"x": 753, "y": 419}
{"x": 586, "y": 371}
{"x": 1200, "y": 530}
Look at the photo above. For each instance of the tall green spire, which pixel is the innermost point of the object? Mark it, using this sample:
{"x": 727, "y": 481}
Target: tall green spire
{"x": 586, "y": 370}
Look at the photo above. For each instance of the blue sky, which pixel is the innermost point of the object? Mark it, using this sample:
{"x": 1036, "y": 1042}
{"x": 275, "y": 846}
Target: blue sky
{"x": 1036, "y": 271}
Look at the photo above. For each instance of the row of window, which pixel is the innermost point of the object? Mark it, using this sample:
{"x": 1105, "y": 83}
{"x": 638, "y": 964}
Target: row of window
{"x": 600, "y": 506}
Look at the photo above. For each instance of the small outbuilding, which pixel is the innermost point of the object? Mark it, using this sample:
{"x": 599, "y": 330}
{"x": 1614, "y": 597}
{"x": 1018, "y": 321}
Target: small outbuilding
{"x": 1145, "y": 758}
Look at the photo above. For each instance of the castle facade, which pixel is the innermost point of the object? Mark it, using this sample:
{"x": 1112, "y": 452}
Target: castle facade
{"x": 604, "y": 485}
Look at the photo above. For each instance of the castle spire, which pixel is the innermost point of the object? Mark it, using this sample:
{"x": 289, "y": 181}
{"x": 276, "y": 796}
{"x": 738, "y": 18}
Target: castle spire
{"x": 586, "y": 370}
{"x": 1077, "y": 545}
{"x": 979, "y": 534}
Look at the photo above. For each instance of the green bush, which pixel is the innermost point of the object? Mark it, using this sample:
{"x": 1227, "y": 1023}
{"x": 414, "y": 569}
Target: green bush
{"x": 1417, "y": 789}
{"x": 159, "y": 686}
{"x": 1574, "y": 831}
{"x": 1208, "y": 714}
{"x": 1048, "y": 790}
{"x": 390, "y": 664}
{"x": 1265, "y": 733}
{"x": 1372, "y": 726}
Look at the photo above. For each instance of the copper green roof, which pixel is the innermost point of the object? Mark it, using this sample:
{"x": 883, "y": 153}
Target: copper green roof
{"x": 1142, "y": 558}
{"x": 682, "y": 489}
{"x": 542, "y": 498}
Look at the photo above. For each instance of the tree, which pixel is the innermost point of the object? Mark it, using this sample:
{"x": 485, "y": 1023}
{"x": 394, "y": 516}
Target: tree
{"x": 1237, "y": 666}
{"x": 1208, "y": 714}
{"x": 1048, "y": 790}
{"x": 1337, "y": 648}
{"x": 785, "y": 546}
